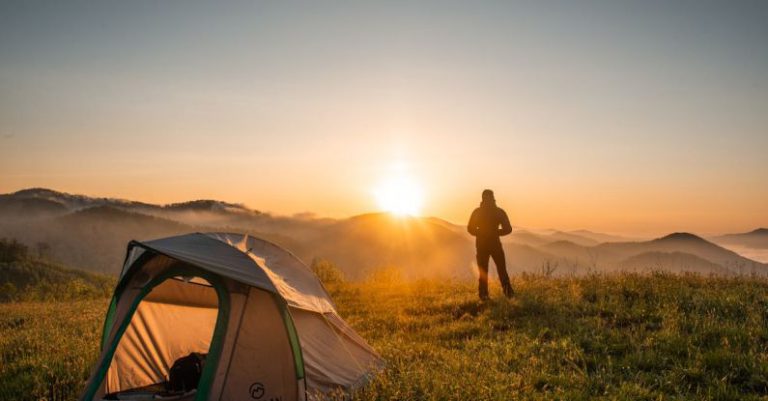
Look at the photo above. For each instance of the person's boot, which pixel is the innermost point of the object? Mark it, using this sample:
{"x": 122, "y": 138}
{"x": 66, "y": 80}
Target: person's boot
{"x": 483, "y": 289}
{"x": 483, "y": 293}
{"x": 509, "y": 292}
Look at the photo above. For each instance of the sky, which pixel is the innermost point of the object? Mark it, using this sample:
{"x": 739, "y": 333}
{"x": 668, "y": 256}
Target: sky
{"x": 639, "y": 117}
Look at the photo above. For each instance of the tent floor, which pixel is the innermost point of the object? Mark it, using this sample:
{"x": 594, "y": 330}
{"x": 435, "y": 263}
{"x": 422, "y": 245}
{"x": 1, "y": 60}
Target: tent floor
{"x": 151, "y": 392}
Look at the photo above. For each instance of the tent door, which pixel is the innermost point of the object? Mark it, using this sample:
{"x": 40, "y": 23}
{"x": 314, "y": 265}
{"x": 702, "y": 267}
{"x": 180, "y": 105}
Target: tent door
{"x": 179, "y": 312}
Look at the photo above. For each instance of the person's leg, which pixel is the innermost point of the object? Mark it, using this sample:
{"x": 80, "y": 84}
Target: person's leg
{"x": 500, "y": 261}
{"x": 482, "y": 266}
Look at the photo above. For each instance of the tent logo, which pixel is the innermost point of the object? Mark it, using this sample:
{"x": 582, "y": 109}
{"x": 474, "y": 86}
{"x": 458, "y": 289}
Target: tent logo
{"x": 257, "y": 391}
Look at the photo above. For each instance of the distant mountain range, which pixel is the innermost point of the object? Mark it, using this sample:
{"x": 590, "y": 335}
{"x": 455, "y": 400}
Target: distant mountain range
{"x": 580, "y": 237}
{"x": 92, "y": 233}
{"x": 757, "y": 239}
{"x": 48, "y": 201}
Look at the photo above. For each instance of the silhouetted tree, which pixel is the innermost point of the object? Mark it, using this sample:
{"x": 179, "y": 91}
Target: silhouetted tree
{"x": 12, "y": 251}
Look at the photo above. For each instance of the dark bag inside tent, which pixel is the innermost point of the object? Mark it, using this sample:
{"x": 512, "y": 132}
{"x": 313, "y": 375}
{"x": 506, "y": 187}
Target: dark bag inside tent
{"x": 161, "y": 354}
{"x": 185, "y": 373}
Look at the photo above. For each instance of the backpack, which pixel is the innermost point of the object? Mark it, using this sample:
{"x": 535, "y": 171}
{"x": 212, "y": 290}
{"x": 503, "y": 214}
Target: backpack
{"x": 185, "y": 373}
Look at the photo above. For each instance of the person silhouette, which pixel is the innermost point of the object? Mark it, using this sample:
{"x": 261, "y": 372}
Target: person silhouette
{"x": 487, "y": 224}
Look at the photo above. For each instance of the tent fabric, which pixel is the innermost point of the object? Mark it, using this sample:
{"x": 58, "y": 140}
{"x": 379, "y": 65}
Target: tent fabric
{"x": 132, "y": 288}
{"x": 236, "y": 307}
{"x": 251, "y": 261}
{"x": 270, "y": 359}
{"x": 177, "y": 291}
{"x": 293, "y": 279}
{"x": 133, "y": 254}
{"x": 331, "y": 354}
{"x": 267, "y": 294}
{"x": 215, "y": 256}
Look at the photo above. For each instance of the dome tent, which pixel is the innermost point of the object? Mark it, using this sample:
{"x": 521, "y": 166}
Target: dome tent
{"x": 268, "y": 327}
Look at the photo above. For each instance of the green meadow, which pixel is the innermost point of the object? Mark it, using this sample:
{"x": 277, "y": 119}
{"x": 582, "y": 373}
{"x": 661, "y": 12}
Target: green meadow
{"x": 617, "y": 337}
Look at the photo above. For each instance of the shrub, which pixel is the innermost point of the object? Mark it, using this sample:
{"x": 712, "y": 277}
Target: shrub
{"x": 327, "y": 271}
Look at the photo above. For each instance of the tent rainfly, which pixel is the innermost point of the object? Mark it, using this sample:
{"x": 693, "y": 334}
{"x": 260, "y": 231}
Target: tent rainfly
{"x": 265, "y": 325}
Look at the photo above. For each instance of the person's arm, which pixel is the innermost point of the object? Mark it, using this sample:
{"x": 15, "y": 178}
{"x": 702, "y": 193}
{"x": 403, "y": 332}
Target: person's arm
{"x": 506, "y": 227}
{"x": 472, "y": 226}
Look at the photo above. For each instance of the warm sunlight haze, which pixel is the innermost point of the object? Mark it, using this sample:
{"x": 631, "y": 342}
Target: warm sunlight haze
{"x": 400, "y": 194}
{"x": 623, "y": 117}
{"x": 384, "y": 200}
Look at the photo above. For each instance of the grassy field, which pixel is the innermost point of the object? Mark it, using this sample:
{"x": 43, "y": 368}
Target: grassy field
{"x": 620, "y": 337}
{"x": 47, "y": 349}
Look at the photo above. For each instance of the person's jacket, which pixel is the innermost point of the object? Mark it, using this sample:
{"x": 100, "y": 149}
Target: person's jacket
{"x": 488, "y": 223}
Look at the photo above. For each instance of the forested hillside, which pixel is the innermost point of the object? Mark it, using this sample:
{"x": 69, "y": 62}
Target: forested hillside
{"x": 26, "y": 277}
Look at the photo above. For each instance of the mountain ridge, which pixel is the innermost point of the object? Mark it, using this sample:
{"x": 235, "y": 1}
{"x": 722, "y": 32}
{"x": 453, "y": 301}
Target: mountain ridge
{"x": 92, "y": 233}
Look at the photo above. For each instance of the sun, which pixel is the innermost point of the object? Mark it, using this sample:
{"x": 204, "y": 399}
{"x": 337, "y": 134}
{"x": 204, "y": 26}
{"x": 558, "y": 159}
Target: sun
{"x": 400, "y": 195}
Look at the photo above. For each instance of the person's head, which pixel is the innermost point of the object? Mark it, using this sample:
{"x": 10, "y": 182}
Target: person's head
{"x": 488, "y": 196}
